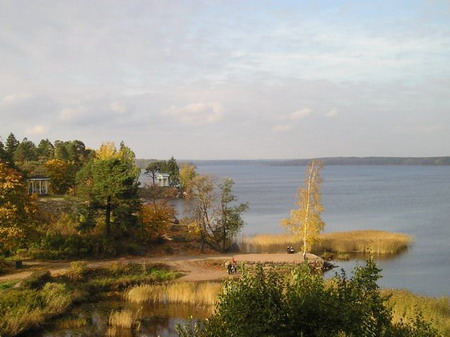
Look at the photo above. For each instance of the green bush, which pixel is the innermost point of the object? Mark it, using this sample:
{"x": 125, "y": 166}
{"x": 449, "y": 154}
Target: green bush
{"x": 263, "y": 303}
{"x": 36, "y": 280}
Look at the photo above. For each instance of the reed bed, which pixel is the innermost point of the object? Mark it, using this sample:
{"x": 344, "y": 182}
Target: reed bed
{"x": 196, "y": 293}
{"x": 405, "y": 305}
{"x": 377, "y": 242}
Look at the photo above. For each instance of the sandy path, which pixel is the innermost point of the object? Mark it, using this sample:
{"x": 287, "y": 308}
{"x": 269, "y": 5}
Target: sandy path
{"x": 195, "y": 267}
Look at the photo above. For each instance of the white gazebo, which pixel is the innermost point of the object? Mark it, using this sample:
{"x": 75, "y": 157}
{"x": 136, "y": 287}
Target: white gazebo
{"x": 38, "y": 185}
{"x": 163, "y": 179}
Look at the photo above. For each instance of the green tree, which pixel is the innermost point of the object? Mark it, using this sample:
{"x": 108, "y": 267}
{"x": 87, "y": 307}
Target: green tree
{"x": 153, "y": 169}
{"x": 174, "y": 171}
{"x": 214, "y": 212}
{"x": 306, "y": 221}
{"x": 3, "y": 154}
{"x": 110, "y": 185}
{"x": 45, "y": 150}
{"x": 229, "y": 220}
{"x": 25, "y": 151}
{"x": 11, "y": 145}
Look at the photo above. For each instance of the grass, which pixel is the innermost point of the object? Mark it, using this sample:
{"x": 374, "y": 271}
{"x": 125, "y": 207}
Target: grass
{"x": 195, "y": 293}
{"x": 122, "y": 319}
{"x": 378, "y": 242}
{"x": 435, "y": 309}
{"x": 42, "y": 297}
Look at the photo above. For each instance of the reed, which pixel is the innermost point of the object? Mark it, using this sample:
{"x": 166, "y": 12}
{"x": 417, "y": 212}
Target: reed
{"x": 122, "y": 319}
{"x": 377, "y": 242}
{"x": 405, "y": 305}
{"x": 196, "y": 293}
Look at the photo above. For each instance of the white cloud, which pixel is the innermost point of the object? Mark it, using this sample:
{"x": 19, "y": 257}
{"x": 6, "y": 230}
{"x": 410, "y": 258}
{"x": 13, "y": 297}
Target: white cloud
{"x": 72, "y": 114}
{"x": 36, "y": 130}
{"x": 197, "y": 113}
{"x": 281, "y": 128}
{"x": 332, "y": 113}
{"x": 300, "y": 114}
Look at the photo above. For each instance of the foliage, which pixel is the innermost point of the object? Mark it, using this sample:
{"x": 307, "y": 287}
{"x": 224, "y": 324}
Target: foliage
{"x": 162, "y": 166}
{"x": 109, "y": 184}
{"x": 17, "y": 210}
{"x": 156, "y": 217}
{"x": 263, "y": 303}
{"x": 306, "y": 221}
{"x": 187, "y": 174}
{"x": 62, "y": 174}
{"x": 214, "y": 213}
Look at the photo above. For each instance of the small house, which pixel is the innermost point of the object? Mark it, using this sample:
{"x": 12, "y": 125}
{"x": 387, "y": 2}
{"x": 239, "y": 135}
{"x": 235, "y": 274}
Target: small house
{"x": 163, "y": 179}
{"x": 38, "y": 185}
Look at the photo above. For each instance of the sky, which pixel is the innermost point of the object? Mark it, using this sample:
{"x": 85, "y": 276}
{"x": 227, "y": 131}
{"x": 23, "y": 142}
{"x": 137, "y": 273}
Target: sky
{"x": 230, "y": 79}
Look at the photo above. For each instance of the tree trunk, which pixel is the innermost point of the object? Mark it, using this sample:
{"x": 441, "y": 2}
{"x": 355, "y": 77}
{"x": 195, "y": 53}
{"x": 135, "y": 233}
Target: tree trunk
{"x": 108, "y": 216}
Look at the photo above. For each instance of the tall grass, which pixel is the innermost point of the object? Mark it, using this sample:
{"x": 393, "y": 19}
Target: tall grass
{"x": 122, "y": 319}
{"x": 405, "y": 304}
{"x": 196, "y": 293}
{"x": 378, "y": 242}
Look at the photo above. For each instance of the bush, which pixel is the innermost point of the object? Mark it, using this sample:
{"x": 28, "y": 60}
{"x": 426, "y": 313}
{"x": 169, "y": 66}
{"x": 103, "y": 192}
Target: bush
{"x": 37, "y": 280}
{"x": 263, "y": 303}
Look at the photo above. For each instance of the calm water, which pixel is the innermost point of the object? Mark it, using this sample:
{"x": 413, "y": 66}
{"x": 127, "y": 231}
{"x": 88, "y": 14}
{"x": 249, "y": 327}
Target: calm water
{"x": 409, "y": 199}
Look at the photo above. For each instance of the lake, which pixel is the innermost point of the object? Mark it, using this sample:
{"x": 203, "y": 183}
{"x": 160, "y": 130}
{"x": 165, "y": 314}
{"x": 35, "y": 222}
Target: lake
{"x": 408, "y": 199}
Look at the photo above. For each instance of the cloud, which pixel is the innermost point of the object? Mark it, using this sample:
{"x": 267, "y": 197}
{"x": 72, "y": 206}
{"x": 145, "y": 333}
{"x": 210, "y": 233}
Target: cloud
{"x": 196, "y": 114}
{"x": 300, "y": 114}
{"x": 281, "y": 128}
{"x": 36, "y": 130}
{"x": 332, "y": 113}
{"x": 73, "y": 114}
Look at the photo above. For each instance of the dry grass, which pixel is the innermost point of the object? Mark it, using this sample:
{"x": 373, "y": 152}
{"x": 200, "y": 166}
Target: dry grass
{"x": 378, "y": 242}
{"x": 196, "y": 293}
{"x": 406, "y": 304}
{"x": 122, "y": 319}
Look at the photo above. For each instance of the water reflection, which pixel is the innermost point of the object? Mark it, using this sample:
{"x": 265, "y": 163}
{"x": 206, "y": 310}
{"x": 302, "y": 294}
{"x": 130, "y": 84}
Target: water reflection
{"x": 151, "y": 320}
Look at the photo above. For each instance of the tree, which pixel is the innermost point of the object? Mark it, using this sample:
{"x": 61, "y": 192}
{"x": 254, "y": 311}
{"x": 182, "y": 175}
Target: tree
{"x": 306, "y": 221}
{"x": 153, "y": 169}
{"x": 16, "y": 210}
{"x": 109, "y": 184}
{"x": 45, "y": 150}
{"x": 187, "y": 175}
{"x": 229, "y": 220}
{"x": 173, "y": 170}
{"x": 11, "y": 145}
{"x": 25, "y": 151}
{"x": 214, "y": 211}
{"x": 62, "y": 174}
{"x": 156, "y": 217}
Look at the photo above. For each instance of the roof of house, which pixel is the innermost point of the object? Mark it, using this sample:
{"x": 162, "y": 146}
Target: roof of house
{"x": 38, "y": 177}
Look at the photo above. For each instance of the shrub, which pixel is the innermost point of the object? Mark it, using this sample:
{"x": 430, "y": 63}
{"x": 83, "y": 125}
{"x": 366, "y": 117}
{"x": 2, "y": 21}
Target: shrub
{"x": 263, "y": 303}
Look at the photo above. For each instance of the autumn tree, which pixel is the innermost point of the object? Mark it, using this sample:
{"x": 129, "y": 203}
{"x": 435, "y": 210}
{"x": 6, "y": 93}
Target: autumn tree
{"x": 156, "y": 217}
{"x": 16, "y": 210}
{"x": 306, "y": 221}
{"x": 215, "y": 212}
{"x": 109, "y": 184}
{"x": 187, "y": 174}
{"x": 62, "y": 174}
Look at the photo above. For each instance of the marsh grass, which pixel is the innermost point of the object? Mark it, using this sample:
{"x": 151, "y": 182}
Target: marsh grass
{"x": 377, "y": 242}
{"x": 405, "y": 305}
{"x": 122, "y": 319}
{"x": 195, "y": 293}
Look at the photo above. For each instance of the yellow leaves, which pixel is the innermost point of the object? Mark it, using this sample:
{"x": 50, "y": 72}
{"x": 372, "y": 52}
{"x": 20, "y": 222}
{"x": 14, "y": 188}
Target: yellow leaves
{"x": 156, "y": 218}
{"x": 107, "y": 151}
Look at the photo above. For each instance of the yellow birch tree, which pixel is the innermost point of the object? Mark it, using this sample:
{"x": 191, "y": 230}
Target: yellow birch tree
{"x": 306, "y": 221}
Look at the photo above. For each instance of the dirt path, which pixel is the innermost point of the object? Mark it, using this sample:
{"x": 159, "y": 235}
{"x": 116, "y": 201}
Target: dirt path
{"x": 197, "y": 268}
